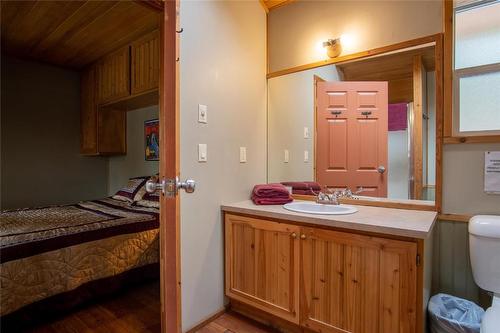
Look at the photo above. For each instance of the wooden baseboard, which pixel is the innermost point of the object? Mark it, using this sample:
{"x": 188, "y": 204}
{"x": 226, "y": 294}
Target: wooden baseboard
{"x": 208, "y": 320}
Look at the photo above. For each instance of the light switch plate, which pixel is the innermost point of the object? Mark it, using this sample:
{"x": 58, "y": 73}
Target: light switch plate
{"x": 202, "y": 113}
{"x": 306, "y": 156}
{"x": 287, "y": 156}
{"x": 306, "y": 132}
{"x": 202, "y": 152}
{"x": 243, "y": 154}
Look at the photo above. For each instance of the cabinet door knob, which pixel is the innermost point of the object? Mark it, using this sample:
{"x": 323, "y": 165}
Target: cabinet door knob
{"x": 294, "y": 235}
{"x": 303, "y": 236}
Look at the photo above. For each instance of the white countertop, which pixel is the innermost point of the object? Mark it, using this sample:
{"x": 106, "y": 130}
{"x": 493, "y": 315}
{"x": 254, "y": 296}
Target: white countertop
{"x": 390, "y": 221}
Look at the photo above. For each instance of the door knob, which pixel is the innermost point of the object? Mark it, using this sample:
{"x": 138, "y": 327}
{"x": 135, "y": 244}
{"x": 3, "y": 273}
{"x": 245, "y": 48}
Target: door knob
{"x": 381, "y": 169}
{"x": 170, "y": 187}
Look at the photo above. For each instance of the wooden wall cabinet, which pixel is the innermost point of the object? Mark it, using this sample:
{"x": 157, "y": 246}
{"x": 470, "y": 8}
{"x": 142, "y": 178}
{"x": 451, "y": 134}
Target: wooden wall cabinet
{"x": 145, "y": 63}
{"x": 126, "y": 79}
{"x": 113, "y": 76}
{"x": 103, "y": 131}
{"x": 88, "y": 112}
{"x": 348, "y": 282}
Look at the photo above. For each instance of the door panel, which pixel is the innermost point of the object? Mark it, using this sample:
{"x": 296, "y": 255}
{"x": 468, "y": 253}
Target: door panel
{"x": 262, "y": 261}
{"x": 355, "y": 283}
{"x": 352, "y": 135}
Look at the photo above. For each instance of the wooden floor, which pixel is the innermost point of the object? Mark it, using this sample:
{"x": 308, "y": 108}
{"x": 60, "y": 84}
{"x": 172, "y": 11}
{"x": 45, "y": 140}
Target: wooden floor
{"x": 231, "y": 322}
{"x": 136, "y": 311}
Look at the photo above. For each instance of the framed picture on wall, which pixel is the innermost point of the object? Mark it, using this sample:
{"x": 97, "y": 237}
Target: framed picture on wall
{"x": 152, "y": 140}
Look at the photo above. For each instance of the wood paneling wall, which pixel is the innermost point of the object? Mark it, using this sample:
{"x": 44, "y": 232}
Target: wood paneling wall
{"x": 452, "y": 273}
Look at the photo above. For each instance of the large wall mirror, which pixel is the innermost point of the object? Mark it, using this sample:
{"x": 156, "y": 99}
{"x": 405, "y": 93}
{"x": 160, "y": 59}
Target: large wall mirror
{"x": 367, "y": 124}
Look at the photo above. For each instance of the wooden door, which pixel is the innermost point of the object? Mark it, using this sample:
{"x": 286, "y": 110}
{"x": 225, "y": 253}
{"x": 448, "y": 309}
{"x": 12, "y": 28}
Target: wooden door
{"x": 145, "y": 63}
{"x": 113, "y": 76}
{"x": 262, "y": 261}
{"x": 88, "y": 112}
{"x": 170, "y": 258}
{"x": 355, "y": 283}
{"x": 351, "y": 136}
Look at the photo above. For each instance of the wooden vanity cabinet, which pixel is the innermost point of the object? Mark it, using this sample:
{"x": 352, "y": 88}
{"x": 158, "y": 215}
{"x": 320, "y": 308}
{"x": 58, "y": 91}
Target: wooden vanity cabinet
{"x": 342, "y": 281}
{"x": 113, "y": 76}
{"x": 357, "y": 283}
{"x": 145, "y": 63}
{"x": 262, "y": 265}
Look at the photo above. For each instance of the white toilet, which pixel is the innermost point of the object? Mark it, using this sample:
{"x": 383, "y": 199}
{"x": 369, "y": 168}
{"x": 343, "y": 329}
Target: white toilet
{"x": 484, "y": 243}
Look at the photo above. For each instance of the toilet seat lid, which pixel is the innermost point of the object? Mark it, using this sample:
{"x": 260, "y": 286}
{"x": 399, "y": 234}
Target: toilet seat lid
{"x": 491, "y": 320}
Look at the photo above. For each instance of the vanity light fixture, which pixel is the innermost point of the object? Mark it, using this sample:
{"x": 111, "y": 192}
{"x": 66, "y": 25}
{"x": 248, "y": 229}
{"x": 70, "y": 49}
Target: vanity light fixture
{"x": 333, "y": 47}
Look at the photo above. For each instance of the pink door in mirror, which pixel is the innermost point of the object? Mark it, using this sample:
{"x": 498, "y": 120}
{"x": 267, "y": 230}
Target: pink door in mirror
{"x": 351, "y": 136}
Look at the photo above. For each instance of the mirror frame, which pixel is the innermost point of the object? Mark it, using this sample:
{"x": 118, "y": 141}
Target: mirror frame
{"x": 437, "y": 39}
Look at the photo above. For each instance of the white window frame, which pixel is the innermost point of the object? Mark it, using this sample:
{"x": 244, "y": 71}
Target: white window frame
{"x": 468, "y": 72}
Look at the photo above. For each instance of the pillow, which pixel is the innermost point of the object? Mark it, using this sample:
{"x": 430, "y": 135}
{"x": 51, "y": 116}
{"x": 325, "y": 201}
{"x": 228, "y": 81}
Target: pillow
{"x": 131, "y": 193}
{"x": 146, "y": 199}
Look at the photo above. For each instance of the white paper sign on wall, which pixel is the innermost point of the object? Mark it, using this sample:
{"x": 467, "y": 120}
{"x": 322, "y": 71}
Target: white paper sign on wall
{"x": 492, "y": 172}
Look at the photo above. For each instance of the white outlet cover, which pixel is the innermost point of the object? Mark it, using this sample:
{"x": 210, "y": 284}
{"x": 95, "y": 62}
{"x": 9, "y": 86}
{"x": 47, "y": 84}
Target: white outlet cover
{"x": 202, "y": 152}
{"x": 243, "y": 154}
{"x": 202, "y": 113}
{"x": 287, "y": 156}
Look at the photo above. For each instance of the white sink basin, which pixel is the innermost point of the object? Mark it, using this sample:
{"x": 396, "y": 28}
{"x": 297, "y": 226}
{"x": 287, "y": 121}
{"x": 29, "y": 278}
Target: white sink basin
{"x": 320, "y": 209}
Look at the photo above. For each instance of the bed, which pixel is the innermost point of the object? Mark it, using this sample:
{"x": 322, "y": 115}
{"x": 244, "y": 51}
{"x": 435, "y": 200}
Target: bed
{"x": 51, "y": 252}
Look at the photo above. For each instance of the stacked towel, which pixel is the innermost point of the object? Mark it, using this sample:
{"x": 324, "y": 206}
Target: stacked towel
{"x": 270, "y": 194}
{"x": 303, "y": 188}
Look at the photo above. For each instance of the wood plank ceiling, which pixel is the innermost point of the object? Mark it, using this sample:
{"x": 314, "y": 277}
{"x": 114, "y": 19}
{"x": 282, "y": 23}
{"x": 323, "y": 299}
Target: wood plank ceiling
{"x": 72, "y": 33}
{"x": 395, "y": 68}
{"x": 272, "y": 4}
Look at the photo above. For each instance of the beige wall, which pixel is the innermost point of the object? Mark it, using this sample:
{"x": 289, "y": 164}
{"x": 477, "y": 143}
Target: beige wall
{"x": 41, "y": 161}
{"x": 222, "y": 65}
{"x": 290, "y": 109}
{"x": 463, "y": 180}
{"x": 133, "y": 164}
{"x": 297, "y": 30}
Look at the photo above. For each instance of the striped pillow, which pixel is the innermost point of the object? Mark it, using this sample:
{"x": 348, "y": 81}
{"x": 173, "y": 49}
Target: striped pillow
{"x": 130, "y": 192}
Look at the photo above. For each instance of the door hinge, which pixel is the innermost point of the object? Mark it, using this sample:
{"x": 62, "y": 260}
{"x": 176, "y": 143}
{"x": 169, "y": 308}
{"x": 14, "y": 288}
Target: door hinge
{"x": 418, "y": 259}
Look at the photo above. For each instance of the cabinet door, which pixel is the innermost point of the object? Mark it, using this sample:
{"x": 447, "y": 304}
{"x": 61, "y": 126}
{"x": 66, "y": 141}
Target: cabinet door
{"x": 112, "y": 129}
{"x": 113, "y": 76}
{"x": 262, "y": 261}
{"x": 88, "y": 113}
{"x": 356, "y": 283}
{"x": 145, "y": 71}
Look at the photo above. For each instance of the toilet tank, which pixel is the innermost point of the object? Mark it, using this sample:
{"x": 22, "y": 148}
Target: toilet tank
{"x": 484, "y": 247}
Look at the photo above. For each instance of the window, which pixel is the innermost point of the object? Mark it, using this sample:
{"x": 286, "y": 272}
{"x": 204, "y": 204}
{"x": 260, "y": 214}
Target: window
{"x": 477, "y": 68}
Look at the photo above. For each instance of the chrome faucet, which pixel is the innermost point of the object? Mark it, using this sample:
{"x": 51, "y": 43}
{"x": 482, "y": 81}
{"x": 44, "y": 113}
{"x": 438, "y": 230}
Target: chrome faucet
{"x": 331, "y": 197}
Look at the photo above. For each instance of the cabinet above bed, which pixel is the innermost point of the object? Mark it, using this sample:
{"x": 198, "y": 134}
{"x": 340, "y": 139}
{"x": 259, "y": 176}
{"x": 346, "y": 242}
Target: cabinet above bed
{"x": 124, "y": 80}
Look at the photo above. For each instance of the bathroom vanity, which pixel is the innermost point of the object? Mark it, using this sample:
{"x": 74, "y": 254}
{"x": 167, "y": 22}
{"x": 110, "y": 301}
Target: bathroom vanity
{"x": 364, "y": 272}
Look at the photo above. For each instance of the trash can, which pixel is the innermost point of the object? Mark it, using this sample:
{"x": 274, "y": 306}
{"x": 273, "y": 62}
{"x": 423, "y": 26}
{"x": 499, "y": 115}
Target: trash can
{"x": 450, "y": 314}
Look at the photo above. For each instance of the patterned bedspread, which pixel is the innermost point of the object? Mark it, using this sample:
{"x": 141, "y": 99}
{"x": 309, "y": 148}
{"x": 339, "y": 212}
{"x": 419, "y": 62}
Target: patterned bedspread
{"x": 28, "y": 232}
{"x": 52, "y": 250}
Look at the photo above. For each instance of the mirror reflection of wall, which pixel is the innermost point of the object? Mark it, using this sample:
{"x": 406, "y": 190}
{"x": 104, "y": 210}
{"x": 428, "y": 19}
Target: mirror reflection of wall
{"x": 295, "y": 148}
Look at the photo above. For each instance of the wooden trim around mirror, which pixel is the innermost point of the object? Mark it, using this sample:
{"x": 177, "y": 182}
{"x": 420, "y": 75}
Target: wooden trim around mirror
{"x": 437, "y": 39}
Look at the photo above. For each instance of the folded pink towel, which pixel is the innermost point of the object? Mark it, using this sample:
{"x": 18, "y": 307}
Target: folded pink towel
{"x": 271, "y": 201}
{"x": 270, "y": 191}
{"x": 305, "y": 192}
{"x": 270, "y": 194}
{"x": 303, "y": 185}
